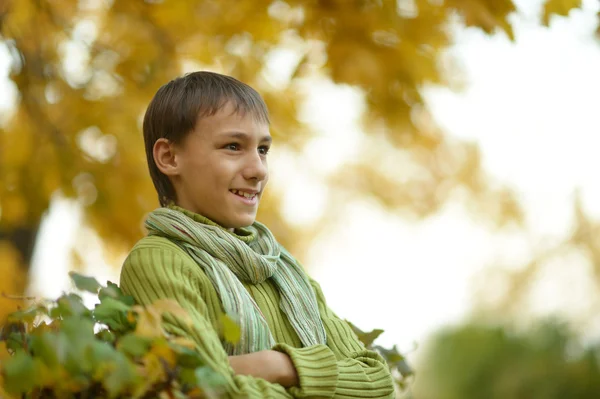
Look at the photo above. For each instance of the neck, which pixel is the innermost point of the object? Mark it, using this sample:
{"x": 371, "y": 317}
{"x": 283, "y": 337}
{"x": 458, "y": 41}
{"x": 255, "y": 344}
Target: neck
{"x": 239, "y": 233}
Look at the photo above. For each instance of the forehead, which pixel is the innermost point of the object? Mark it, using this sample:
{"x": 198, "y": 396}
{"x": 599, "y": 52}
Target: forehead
{"x": 228, "y": 119}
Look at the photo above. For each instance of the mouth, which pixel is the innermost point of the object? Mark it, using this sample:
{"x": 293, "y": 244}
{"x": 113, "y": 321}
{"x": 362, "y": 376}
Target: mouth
{"x": 249, "y": 197}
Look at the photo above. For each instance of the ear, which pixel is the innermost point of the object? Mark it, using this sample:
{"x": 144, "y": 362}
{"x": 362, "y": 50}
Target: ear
{"x": 164, "y": 157}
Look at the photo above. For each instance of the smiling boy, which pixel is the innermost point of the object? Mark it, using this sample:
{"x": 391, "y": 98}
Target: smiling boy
{"x": 207, "y": 141}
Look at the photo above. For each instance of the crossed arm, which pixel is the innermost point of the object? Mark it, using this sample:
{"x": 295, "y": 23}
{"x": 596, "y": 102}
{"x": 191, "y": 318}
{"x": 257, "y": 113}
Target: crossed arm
{"x": 341, "y": 369}
{"x": 269, "y": 365}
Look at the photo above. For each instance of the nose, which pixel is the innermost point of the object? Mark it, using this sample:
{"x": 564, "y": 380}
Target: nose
{"x": 255, "y": 168}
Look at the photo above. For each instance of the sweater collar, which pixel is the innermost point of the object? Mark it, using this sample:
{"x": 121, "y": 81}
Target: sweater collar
{"x": 245, "y": 234}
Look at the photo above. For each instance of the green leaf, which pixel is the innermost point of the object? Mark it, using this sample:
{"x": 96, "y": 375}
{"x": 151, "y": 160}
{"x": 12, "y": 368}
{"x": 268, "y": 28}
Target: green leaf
{"x": 46, "y": 347}
{"x": 69, "y": 305}
{"x": 121, "y": 377}
{"x": 230, "y": 330}
{"x": 396, "y": 360}
{"x": 187, "y": 377}
{"x": 15, "y": 340}
{"x": 186, "y": 357}
{"x": 367, "y": 338}
{"x": 14, "y": 335}
{"x": 85, "y": 283}
{"x": 110, "y": 306}
{"x": 113, "y": 313}
{"x": 112, "y": 290}
{"x": 78, "y": 330}
{"x": 19, "y": 373}
{"x": 4, "y": 354}
{"x": 79, "y": 334}
{"x": 207, "y": 378}
{"x": 370, "y": 337}
{"x": 28, "y": 315}
{"x": 106, "y": 336}
{"x": 100, "y": 353}
{"x": 134, "y": 345}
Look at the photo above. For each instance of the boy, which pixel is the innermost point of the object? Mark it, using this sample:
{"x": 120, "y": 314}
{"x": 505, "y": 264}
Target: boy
{"x": 207, "y": 139}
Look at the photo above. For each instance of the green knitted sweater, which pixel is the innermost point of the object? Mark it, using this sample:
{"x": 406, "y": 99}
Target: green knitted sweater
{"x": 157, "y": 268}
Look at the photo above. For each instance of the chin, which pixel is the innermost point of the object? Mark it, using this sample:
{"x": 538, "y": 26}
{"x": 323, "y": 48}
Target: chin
{"x": 243, "y": 222}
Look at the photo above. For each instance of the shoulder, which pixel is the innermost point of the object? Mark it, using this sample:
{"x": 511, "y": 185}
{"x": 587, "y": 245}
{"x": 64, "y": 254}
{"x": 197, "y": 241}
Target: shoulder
{"x": 154, "y": 253}
{"x": 156, "y": 242}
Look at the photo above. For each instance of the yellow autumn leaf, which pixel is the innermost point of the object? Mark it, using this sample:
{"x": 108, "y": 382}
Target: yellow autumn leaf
{"x": 163, "y": 306}
{"x": 14, "y": 208}
{"x": 3, "y": 393}
{"x": 131, "y": 316}
{"x": 162, "y": 350}
{"x": 558, "y": 7}
{"x": 230, "y": 330}
{"x": 149, "y": 323}
{"x": 185, "y": 342}
{"x": 153, "y": 370}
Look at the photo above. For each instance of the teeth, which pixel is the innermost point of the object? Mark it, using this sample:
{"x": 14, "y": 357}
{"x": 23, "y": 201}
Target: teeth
{"x": 247, "y": 195}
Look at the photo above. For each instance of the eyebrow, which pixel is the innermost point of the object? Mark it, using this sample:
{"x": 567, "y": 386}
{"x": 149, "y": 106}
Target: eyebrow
{"x": 244, "y": 136}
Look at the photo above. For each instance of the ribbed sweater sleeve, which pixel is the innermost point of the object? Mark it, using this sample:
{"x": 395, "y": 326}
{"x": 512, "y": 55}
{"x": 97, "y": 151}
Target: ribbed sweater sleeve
{"x": 152, "y": 272}
{"x": 361, "y": 373}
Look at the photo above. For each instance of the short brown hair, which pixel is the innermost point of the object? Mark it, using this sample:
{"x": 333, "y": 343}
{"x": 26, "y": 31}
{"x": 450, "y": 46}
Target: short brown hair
{"x": 177, "y": 105}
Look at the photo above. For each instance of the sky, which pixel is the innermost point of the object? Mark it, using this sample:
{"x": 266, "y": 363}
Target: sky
{"x": 532, "y": 108}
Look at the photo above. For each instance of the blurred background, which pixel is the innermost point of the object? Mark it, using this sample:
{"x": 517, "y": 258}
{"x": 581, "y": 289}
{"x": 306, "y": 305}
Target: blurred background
{"x": 435, "y": 164}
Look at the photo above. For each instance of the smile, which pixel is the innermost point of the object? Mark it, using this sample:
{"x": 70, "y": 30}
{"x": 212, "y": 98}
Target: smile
{"x": 249, "y": 198}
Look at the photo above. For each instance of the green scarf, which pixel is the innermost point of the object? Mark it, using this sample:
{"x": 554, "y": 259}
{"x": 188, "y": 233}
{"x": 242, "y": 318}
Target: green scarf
{"x": 228, "y": 259}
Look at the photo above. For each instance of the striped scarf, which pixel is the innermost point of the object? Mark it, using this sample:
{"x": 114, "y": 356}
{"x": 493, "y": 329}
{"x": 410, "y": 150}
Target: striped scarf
{"x": 228, "y": 261}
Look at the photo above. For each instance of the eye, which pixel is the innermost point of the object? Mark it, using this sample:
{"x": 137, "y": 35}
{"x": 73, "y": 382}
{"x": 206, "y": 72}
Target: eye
{"x": 263, "y": 150}
{"x": 232, "y": 147}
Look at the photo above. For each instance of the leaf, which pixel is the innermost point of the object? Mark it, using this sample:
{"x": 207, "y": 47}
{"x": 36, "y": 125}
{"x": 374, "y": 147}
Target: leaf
{"x": 15, "y": 340}
{"x": 78, "y": 330}
{"x": 366, "y": 338}
{"x": 28, "y": 315}
{"x": 112, "y": 290}
{"x": 163, "y": 351}
{"x": 121, "y": 377}
{"x": 183, "y": 342}
{"x": 100, "y": 356}
{"x": 558, "y": 7}
{"x": 152, "y": 372}
{"x": 171, "y": 306}
{"x": 3, "y": 352}
{"x": 396, "y": 359}
{"x": 370, "y": 337}
{"x": 109, "y": 307}
{"x": 230, "y": 331}
{"x": 69, "y": 305}
{"x": 149, "y": 323}
{"x": 113, "y": 313}
{"x": 19, "y": 373}
{"x": 133, "y": 345}
{"x": 187, "y": 358}
{"x": 208, "y": 379}
{"x": 106, "y": 336}
{"x": 85, "y": 283}
{"x": 485, "y": 15}
{"x": 45, "y": 347}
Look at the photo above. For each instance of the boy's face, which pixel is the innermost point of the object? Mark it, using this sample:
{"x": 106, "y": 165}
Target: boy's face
{"x": 222, "y": 168}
